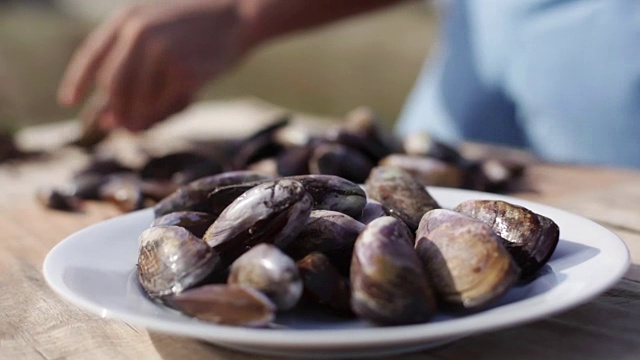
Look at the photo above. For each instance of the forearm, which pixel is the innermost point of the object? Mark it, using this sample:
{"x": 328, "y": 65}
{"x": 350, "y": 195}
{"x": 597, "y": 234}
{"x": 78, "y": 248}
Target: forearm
{"x": 270, "y": 18}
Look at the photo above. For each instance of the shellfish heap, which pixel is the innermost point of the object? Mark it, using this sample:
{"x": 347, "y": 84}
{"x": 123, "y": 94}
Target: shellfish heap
{"x": 238, "y": 247}
{"x": 350, "y": 150}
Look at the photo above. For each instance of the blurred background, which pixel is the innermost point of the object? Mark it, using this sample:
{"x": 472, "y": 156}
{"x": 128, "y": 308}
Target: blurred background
{"x": 367, "y": 60}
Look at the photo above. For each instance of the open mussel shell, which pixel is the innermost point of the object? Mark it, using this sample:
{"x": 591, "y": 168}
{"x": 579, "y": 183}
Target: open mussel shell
{"x": 273, "y": 212}
{"x": 401, "y": 193}
{"x": 194, "y": 196}
{"x": 388, "y": 283}
{"x": 268, "y": 270}
{"x": 466, "y": 261}
{"x": 428, "y": 171}
{"x": 226, "y": 305}
{"x": 329, "y": 232}
{"x": 323, "y": 284}
{"x": 171, "y": 259}
{"x": 331, "y": 192}
{"x": 194, "y": 221}
{"x": 530, "y": 238}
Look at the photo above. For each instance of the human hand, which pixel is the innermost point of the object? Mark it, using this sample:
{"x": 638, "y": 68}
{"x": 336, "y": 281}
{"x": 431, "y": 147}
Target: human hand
{"x": 148, "y": 61}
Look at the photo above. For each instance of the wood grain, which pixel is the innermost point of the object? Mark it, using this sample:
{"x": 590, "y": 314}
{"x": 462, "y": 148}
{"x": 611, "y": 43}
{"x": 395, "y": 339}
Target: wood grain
{"x": 37, "y": 324}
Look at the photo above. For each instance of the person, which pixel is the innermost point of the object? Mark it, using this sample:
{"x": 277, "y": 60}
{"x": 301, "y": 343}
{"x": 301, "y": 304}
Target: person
{"x": 556, "y": 77}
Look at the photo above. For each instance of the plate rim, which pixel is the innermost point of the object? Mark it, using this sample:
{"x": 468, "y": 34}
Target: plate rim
{"x": 330, "y": 338}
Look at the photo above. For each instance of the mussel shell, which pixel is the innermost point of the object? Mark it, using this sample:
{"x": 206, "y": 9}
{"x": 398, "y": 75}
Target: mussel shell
{"x": 266, "y": 166}
{"x": 492, "y": 175}
{"x": 267, "y": 269}
{"x": 531, "y": 238}
{"x": 428, "y": 171}
{"x": 361, "y": 131}
{"x": 340, "y": 160}
{"x": 157, "y": 190}
{"x": 328, "y": 232}
{"x": 223, "y": 196}
{"x": 260, "y": 145}
{"x": 272, "y": 212}
{"x": 401, "y": 193}
{"x": 226, "y": 305}
{"x": 85, "y": 186}
{"x": 372, "y": 210}
{"x": 323, "y": 283}
{"x": 171, "y": 259}
{"x": 197, "y": 171}
{"x": 466, "y": 261}
{"x": 294, "y": 160}
{"x": 58, "y": 199}
{"x": 194, "y": 221}
{"x": 103, "y": 166}
{"x": 388, "y": 283}
{"x": 123, "y": 190}
{"x": 423, "y": 144}
{"x": 194, "y": 195}
{"x": 370, "y": 148}
{"x": 164, "y": 167}
{"x": 436, "y": 217}
{"x": 331, "y": 192}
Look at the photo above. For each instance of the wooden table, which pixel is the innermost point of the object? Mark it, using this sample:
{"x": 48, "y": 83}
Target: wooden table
{"x": 36, "y": 324}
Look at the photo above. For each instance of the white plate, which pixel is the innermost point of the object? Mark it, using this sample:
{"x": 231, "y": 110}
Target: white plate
{"x": 95, "y": 270}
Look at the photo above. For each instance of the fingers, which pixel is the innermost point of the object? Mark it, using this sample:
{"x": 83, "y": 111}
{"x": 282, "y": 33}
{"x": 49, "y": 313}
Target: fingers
{"x": 157, "y": 114}
{"x": 150, "y": 79}
{"x": 115, "y": 78}
{"x": 85, "y": 63}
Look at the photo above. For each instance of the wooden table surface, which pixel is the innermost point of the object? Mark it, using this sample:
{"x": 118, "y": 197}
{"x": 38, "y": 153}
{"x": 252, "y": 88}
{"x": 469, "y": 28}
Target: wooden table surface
{"x": 36, "y": 324}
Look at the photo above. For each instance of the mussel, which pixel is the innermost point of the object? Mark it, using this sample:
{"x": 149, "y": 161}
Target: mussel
{"x": 421, "y": 143}
{"x": 361, "y": 131}
{"x": 194, "y": 195}
{"x": 340, "y": 160}
{"x": 465, "y": 259}
{"x": 225, "y": 304}
{"x": 223, "y": 196}
{"x": 171, "y": 259}
{"x": 331, "y": 192}
{"x": 268, "y": 270}
{"x": 388, "y": 283}
{"x": 273, "y": 212}
{"x": 530, "y": 238}
{"x": 58, "y": 199}
{"x": 182, "y": 167}
{"x": 401, "y": 193}
{"x": 371, "y": 211}
{"x": 428, "y": 171}
{"x": 194, "y": 221}
{"x": 329, "y": 232}
{"x": 124, "y": 190}
{"x": 323, "y": 284}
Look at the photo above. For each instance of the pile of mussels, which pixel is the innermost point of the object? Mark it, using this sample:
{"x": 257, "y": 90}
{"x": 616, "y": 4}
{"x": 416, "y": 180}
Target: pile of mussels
{"x": 238, "y": 247}
{"x": 350, "y": 151}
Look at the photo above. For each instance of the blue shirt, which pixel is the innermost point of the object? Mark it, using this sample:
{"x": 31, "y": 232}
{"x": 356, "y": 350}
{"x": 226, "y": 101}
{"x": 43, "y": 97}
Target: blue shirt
{"x": 558, "y": 77}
